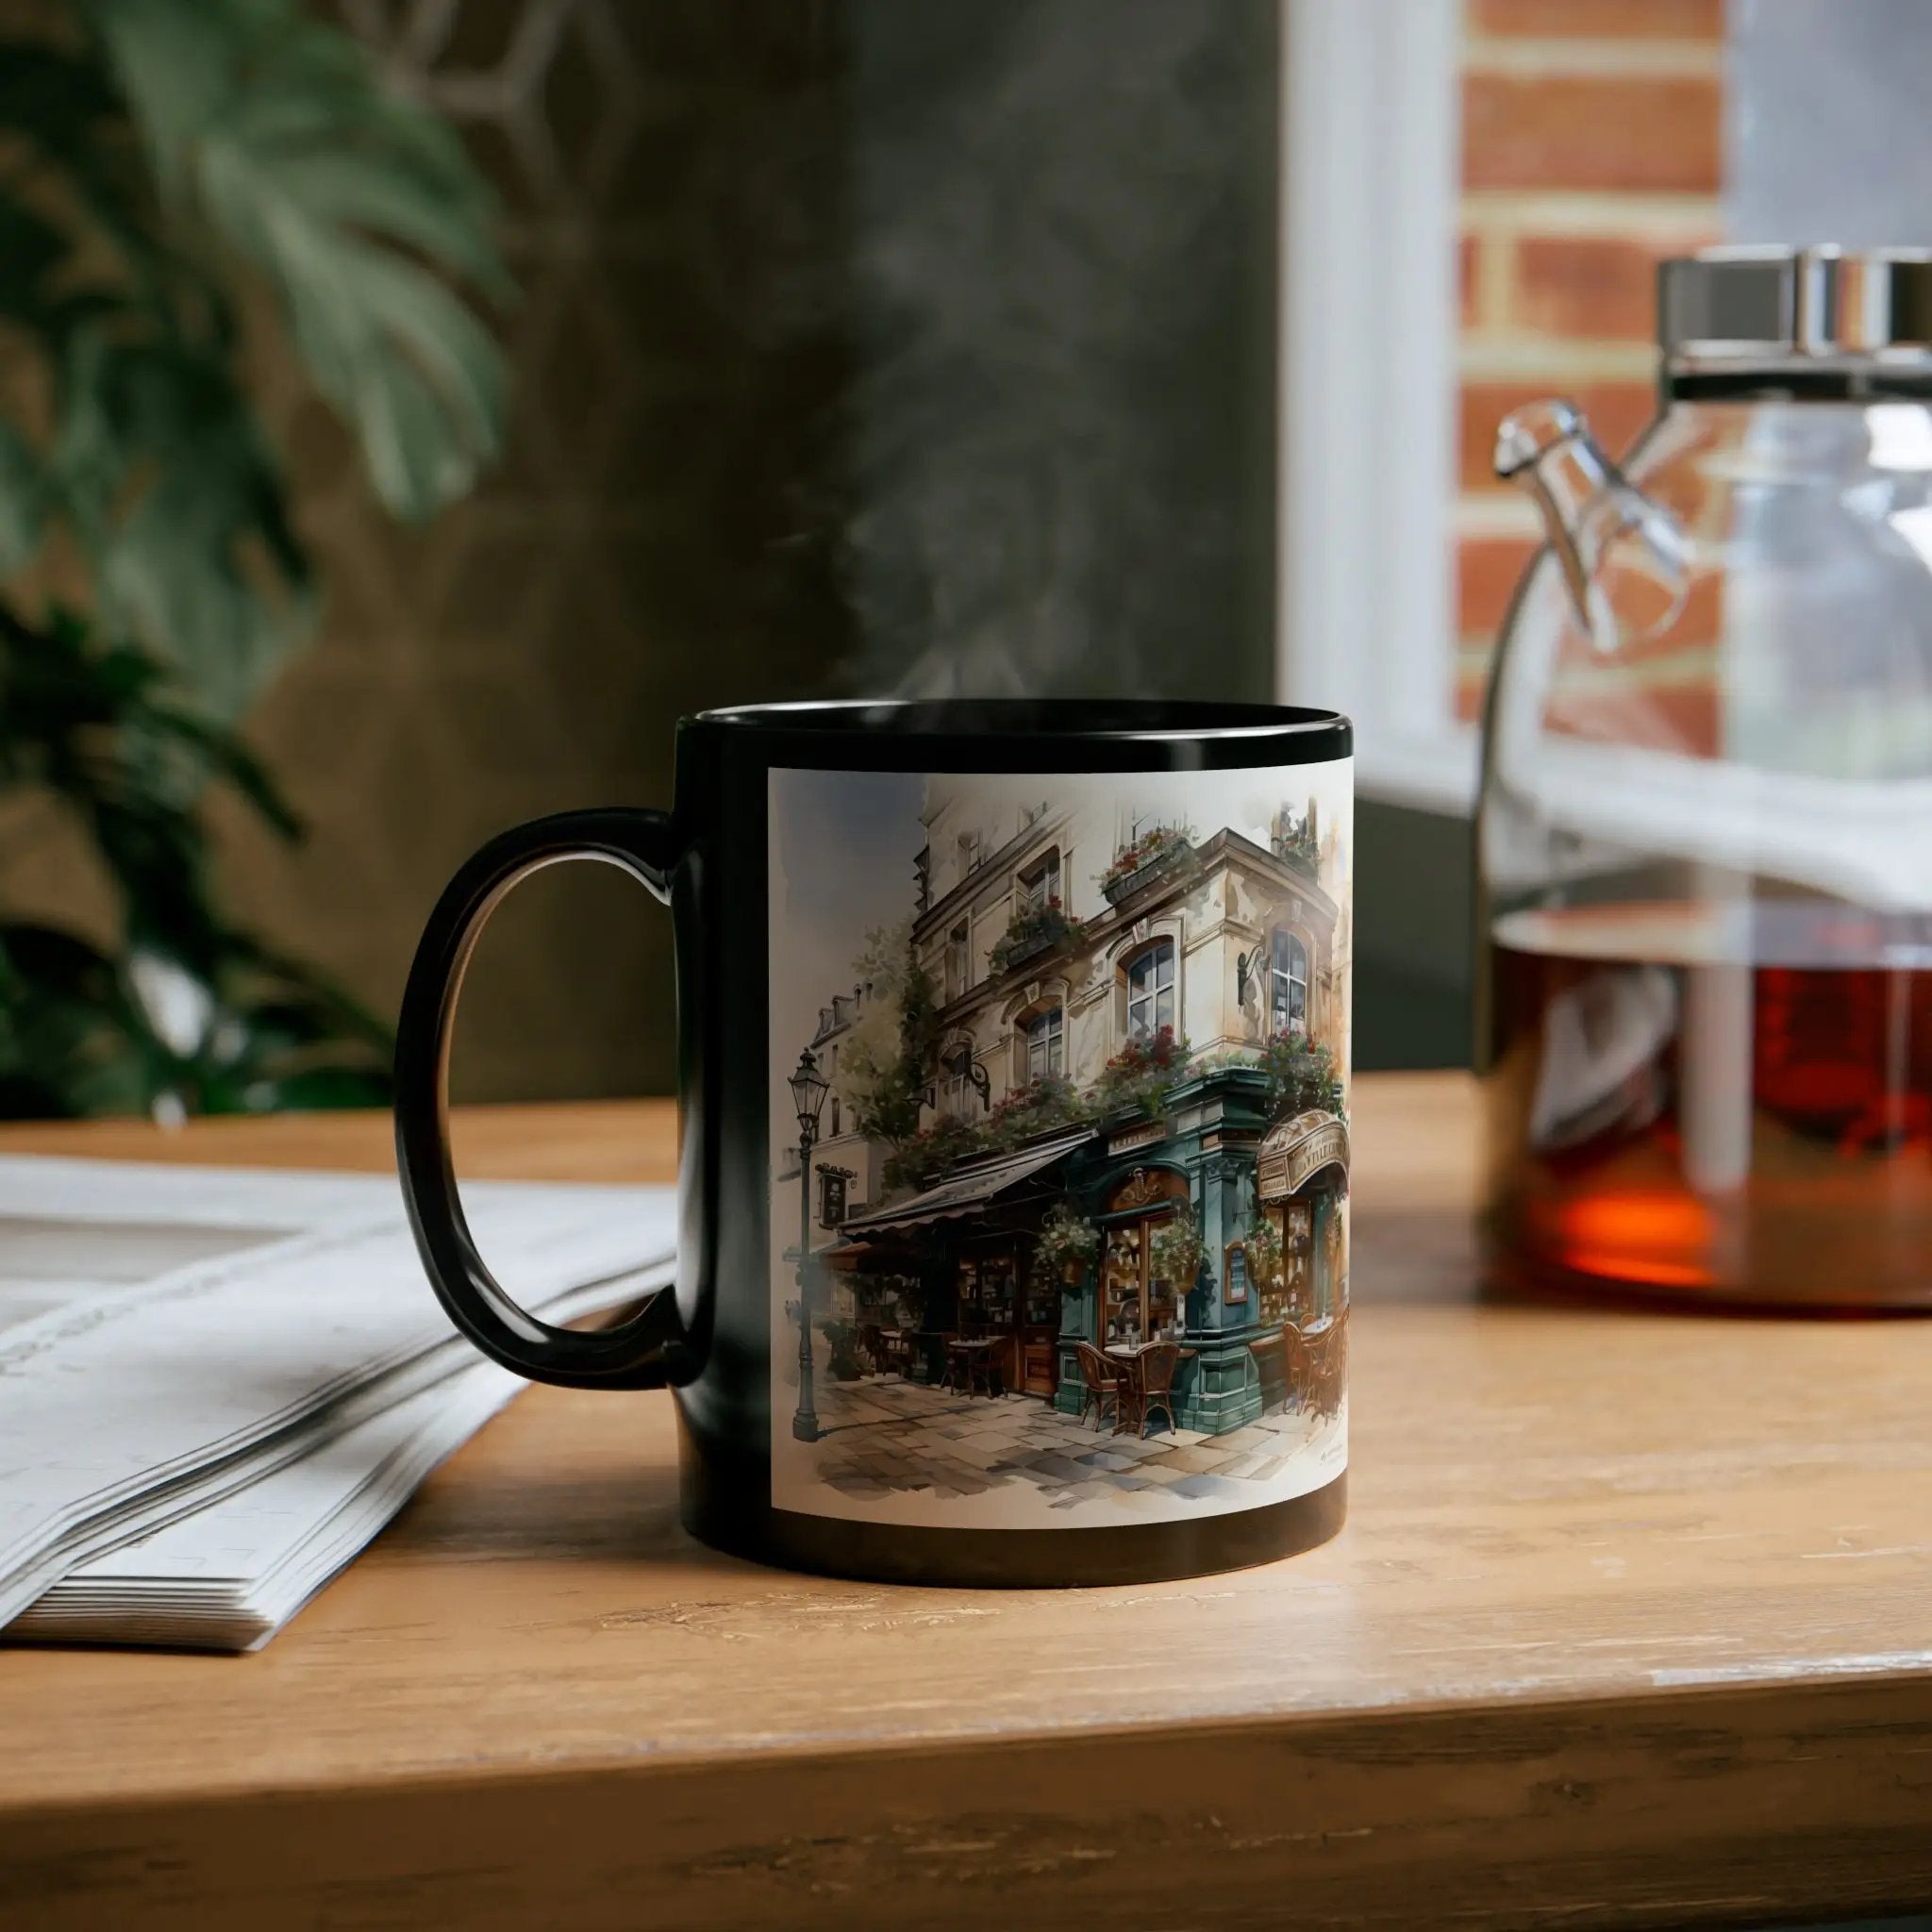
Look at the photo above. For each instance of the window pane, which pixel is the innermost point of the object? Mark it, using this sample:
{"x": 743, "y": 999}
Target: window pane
{"x": 1150, "y": 991}
{"x": 1042, "y": 884}
{"x": 1287, "y": 991}
{"x": 1044, "y": 1053}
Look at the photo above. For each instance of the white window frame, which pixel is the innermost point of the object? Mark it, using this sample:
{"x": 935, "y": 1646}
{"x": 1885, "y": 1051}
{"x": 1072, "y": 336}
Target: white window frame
{"x": 1028, "y": 885}
{"x": 1044, "y": 1034}
{"x": 1154, "y": 951}
{"x": 1366, "y": 476}
{"x": 1280, "y": 981}
{"x": 956, "y": 1092}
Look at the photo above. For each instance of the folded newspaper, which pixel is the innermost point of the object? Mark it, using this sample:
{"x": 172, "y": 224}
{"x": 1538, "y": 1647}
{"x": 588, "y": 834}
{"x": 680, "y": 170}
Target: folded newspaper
{"x": 216, "y": 1384}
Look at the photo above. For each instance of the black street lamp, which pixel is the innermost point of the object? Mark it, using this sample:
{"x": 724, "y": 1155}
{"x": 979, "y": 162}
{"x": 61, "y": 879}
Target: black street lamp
{"x": 808, "y": 1089}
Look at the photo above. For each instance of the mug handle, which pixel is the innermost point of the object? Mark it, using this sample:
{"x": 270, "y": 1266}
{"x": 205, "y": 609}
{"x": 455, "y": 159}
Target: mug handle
{"x": 641, "y": 1353}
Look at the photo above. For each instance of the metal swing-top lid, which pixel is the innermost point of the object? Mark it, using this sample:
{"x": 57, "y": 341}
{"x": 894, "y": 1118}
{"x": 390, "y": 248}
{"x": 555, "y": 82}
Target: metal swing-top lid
{"x": 1756, "y": 305}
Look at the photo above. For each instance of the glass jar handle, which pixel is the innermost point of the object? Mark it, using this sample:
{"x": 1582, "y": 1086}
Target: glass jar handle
{"x": 1624, "y": 558}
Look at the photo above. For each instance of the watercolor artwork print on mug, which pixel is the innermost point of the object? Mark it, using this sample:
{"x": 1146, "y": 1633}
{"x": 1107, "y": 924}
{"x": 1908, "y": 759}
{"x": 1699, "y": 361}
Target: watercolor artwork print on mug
{"x": 1059, "y": 1143}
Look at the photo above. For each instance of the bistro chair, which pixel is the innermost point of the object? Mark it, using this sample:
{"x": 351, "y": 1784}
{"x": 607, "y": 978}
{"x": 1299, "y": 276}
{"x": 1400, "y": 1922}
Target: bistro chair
{"x": 1100, "y": 1387}
{"x": 983, "y": 1370}
{"x": 958, "y": 1364}
{"x": 970, "y": 1369}
{"x": 1328, "y": 1368}
{"x": 872, "y": 1345}
{"x": 1297, "y": 1366}
{"x": 1154, "y": 1370}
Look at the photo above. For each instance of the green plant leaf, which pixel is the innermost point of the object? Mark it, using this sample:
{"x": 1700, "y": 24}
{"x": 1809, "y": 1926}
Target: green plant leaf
{"x": 53, "y": 97}
{"x": 23, "y": 501}
{"x": 277, "y": 133}
{"x": 149, "y": 157}
{"x": 226, "y": 757}
{"x": 70, "y": 1045}
{"x": 79, "y": 166}
{"x": 202, "y": 561}
{"x": 31, "y": 249}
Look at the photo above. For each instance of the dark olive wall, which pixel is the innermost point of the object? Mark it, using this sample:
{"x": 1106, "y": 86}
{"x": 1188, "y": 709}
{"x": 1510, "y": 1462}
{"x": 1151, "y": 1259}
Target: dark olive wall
{"x": 1413, "y": 873}
{"x": 1063, "y": 413}
{"x": 662, "y": 537}
{"x": 861, "y": 346}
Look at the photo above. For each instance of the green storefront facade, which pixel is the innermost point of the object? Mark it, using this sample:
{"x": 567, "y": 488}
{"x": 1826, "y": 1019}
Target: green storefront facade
{"x": 1208, "y": 1149}
{"x": 1205, "y": 1149}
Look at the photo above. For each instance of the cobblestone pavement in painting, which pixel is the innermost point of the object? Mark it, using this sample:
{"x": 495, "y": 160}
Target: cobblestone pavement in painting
{"x": 881, "y": 1435}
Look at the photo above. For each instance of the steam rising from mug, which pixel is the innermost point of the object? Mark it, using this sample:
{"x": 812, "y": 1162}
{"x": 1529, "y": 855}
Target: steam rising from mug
{"x": 1061, "y": 428}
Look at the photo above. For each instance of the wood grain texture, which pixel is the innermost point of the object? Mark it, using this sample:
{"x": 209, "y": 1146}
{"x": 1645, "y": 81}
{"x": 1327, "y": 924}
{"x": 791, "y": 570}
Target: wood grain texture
{"x": 1631, "y": 1624}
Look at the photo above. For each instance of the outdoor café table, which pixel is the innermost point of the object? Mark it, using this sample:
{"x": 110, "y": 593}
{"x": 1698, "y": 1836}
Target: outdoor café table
{"x": 1628, "y": 1627}
{"x": 967, "y": 1353}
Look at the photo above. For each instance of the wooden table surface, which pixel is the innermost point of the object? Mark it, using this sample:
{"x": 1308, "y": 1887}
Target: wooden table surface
{"x": 1631, "y": 1624}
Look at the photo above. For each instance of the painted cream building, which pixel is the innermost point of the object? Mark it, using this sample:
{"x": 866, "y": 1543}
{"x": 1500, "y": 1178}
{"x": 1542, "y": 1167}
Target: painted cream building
{"x": 1237, "y": 943}
{"x": 1050, "y": 954}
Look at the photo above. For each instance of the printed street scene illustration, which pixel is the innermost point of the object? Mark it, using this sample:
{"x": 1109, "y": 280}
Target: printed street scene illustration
{"x": 1060, "y": 1124}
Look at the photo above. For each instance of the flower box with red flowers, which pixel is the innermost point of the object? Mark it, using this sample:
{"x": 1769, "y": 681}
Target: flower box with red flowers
{"x": 1144, "y": 859}
{"x": 1033, "y": 931}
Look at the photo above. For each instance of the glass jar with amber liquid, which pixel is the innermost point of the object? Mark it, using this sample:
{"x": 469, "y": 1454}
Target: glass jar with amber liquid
{"x": 1704, "y": 837}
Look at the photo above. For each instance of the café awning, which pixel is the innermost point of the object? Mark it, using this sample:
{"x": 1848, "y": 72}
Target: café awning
{"x": 963, "y": 1193}
{"x": 1294, "y": 1151}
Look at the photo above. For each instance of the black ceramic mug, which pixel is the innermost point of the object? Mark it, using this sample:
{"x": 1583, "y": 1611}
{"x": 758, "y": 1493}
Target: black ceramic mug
{"x": 1013, "y": 1054}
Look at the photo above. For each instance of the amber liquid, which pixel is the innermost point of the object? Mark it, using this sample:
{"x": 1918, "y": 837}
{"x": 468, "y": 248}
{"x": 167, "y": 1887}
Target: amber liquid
{"x": 1731, "y": 1104}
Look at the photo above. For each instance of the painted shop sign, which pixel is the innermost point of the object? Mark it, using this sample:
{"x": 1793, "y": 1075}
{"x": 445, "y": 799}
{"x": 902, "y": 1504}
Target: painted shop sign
{"x": 1146, "y": 1188}
{"x": 1299, "y": 1149}
{"x": 1144, "y": 1135}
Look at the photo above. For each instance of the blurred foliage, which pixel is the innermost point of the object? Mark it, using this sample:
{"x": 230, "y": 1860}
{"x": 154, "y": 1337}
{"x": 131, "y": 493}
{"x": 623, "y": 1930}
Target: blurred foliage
{"x": 160, "y": 159}
{"x": 195, "y": 1014}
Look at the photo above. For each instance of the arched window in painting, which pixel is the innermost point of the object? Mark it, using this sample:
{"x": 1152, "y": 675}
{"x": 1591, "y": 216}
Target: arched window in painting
{"x": 1151, "y": 991}
{"x": 1287, "y": 982}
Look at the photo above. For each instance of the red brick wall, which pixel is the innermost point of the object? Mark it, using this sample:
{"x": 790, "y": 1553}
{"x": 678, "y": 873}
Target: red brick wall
{"x": 1591, "y": 148}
